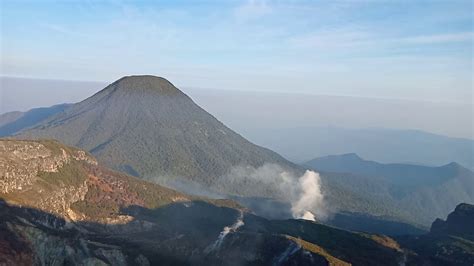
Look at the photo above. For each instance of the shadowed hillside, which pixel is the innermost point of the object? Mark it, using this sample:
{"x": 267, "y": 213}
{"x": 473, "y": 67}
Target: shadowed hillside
{"x": 449, "y": 242}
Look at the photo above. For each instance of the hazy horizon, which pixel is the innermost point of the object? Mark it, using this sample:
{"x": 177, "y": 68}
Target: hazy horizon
{"x": 268, "y": 110}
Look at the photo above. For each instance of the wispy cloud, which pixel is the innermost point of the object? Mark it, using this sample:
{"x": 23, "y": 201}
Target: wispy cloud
{"x": 331, "y": 38}
{"x": 57, "y": 28}
{"x": 438, "y": 38}
{"x": 353, "y": 39}
{"x": 251, "y": 10}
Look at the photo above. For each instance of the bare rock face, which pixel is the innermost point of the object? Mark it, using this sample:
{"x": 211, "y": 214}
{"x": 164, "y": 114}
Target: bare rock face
{"x": 68, "y": 182}
{"x": 26, "y": 168}
{"x": 21, "y": 161}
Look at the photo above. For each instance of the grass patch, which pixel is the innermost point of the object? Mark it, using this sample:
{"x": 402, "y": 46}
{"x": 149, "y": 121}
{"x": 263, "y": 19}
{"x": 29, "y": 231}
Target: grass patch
{"x": 71, "y": 174}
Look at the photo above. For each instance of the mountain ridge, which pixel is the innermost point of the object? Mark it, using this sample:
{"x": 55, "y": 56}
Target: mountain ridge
{"x": 13, "y": 122}
{"x": 353, "y": 163}
{"x": 378, "y": 144}
{"x": 425, "y": 192}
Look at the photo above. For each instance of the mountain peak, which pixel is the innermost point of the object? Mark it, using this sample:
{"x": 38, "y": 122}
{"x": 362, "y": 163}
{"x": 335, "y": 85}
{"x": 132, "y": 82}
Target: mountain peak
{"x": 134, "y": 78}
{"x": 464, "y": 208}
{"x": 352, "y": 156}
{"x": 145, "y": 126}
{"x": 145, "y": 83}
{"x": 453, "y": 165}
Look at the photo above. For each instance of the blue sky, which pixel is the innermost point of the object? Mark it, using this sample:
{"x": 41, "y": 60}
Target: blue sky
{"x": 418, "y": 50}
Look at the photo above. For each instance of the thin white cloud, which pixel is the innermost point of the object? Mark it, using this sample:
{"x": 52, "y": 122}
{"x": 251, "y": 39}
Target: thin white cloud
{"x": 331, "y": 39}
{"x": 358, "y": 39}
{"x": 438, "y": 38}
{"x": 252, "y": 9}
{"x": 57, "y": 28}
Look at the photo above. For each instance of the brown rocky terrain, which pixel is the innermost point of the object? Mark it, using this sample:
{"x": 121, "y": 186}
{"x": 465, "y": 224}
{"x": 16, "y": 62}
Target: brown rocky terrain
{"x": 59, "y": 206}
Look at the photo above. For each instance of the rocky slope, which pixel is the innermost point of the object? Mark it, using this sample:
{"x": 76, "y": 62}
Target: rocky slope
{"x": 68, "y": 182}
{"x": 58, "y": 206}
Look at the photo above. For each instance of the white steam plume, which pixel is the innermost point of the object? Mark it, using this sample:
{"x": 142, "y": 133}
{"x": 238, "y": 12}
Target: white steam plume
{"x": 304, "y": 193}
{"x": 310, "y": 198}
{"x": 227, "y": 229}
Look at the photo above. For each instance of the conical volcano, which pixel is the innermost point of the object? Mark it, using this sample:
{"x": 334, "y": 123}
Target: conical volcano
{"x": 145, "y": 126}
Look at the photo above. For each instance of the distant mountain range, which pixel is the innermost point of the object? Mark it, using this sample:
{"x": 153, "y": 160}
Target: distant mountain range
{"x": 382, "y": 145}
{"x": 13, "y": 122}
{"x": 423, "y": 192}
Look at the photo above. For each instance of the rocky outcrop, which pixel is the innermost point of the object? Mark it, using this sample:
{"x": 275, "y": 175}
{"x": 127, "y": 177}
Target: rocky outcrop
{"x": 459, "y": 223}
{"x": 22, "y": 161}
{"x": 449, "y": 242}
{"x": 43, "y": 174}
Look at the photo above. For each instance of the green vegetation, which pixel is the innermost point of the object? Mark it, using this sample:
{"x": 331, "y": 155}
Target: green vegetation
{"x": 145, "y": 126}
{"x": 407, "y": 193}
{"x": 70, "y": 174}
